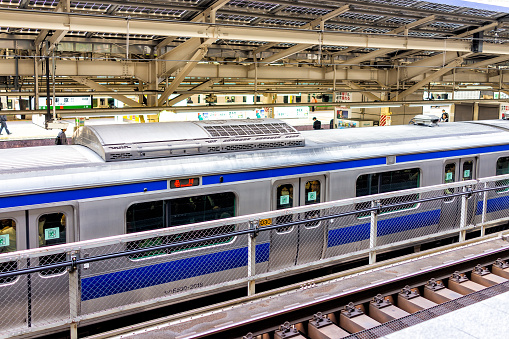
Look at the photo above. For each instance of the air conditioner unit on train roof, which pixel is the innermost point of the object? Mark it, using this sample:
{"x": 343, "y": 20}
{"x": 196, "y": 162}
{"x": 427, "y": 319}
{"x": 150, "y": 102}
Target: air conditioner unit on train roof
{"x": 426, "y": 120}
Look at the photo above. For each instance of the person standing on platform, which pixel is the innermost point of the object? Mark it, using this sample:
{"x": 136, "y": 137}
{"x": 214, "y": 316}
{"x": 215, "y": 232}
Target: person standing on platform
{"x": 3, "y": 124}
{"x": 61, "y": 138}
{"x": 444, "y": 117}
{"x": 314, "y": 101}
{"x": 317, "y": 124}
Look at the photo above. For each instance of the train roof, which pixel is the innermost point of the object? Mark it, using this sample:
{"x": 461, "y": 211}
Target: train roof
{"x": 66, "y": 165}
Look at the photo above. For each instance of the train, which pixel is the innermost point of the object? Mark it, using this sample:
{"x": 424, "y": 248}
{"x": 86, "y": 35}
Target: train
{"x": 128, "y": 178}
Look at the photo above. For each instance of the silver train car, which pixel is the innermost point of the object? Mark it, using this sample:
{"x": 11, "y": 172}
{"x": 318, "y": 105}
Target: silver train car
{"x": 119, "y": 179}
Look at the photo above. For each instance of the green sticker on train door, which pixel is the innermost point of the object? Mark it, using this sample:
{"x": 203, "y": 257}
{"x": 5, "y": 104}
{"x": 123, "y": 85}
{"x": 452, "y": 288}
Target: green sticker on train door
{"x": 311, "y": 196}
{"x": 51, "y": 233}
{"x": 284, "y": 200}
{"x": 466, "y": 174}
{"x": 448, "y": 176}
{"x": 4, "y": 240}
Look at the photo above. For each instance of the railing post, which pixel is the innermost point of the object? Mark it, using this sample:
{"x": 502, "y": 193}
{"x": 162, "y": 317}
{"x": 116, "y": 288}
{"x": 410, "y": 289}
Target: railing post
{"x": 74, "y": 298}
{"x": 463, "y": 215}
{"x": 484, "y": 209}
{"x": 251, "y": 256}
{"x": 372, "y": 232}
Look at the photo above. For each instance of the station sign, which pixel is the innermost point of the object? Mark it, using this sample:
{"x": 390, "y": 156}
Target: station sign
{"x": 79, "y": 102}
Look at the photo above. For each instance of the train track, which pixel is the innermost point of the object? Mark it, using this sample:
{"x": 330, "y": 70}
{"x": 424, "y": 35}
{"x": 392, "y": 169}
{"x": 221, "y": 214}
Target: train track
{"x": 372, "y": 301}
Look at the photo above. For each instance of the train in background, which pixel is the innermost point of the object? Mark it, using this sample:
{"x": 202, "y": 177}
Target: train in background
{"x": 120, "y": 179}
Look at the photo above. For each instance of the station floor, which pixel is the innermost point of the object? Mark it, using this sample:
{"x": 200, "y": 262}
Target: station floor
{"x": 486, "y": 319}
{"x": 25, "y": 129}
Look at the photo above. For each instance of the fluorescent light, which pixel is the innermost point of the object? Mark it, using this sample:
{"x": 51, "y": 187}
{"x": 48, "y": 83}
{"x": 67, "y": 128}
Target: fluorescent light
{"x": 372, "y": 106}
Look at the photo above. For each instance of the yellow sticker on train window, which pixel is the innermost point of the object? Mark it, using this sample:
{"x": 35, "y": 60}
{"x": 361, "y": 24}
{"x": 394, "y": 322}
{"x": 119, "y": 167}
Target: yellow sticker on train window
{"x": 265, "y": 222}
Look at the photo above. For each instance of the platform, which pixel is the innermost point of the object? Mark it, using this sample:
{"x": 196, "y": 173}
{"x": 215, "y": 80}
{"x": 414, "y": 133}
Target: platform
{"x": 485, "y": 319}
{"x": 25, "y": 133}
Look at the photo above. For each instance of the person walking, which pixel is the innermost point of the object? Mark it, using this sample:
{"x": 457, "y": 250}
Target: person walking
{"x": 3, "y": 124}
{"x": 61, "y": 138}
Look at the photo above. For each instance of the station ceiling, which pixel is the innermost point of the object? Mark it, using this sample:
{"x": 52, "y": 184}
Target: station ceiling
{"x": 386, "y": 49}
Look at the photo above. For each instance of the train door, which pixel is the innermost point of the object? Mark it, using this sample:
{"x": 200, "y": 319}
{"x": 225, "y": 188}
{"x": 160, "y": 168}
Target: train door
{"x": 456, "y": 170}
{"x": 50, "y": 289}
{"x": 14, "y": 290}
{"x": 302, "y": 243}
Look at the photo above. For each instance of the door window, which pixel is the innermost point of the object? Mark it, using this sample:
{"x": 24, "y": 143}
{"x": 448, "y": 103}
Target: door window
{"x": 52, "y": 231}
{"x": 312, "y": 192}
{"x": 468, "y": 170}
{"x": 7, "y": 235}
{"x": 449, "y": 176}
{"x": 502, "y": 168}
{"x": 284, "y": 198}
{"x": 7, "y": 244}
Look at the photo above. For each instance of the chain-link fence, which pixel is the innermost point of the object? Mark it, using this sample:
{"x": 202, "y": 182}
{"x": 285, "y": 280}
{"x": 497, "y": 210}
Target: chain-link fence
{"x": 59, "y": 286}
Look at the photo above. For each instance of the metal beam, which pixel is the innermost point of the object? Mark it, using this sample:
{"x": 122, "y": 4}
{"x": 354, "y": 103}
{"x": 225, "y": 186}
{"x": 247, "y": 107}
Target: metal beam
{"x": 287, "y": 52}
{"x": 394, "y": 31}
{"x": 368, "y": 56}
{"x": 429, "y": 78}
{"x": 477, "y": 30}
{"x": 61, "y": 21}
{"x": 184, "y": 96}
{"x": 199, "y": 18}
{"x": 198, "y": 55}
{"x": 302, "y": 47}
{"x": 62, "y": 6}
{"x": 55, "y": 38}
{"x": 326, "y": 17}
{"x": 98, "y": 87}
{"x": 177, "y": 57}
{"x": 492, "y": 61}
{"x": 362, "y": 89}
{"x": 419, "y": 67}
{"x": 265, "y": 47}
{"x": 414, "y": 24}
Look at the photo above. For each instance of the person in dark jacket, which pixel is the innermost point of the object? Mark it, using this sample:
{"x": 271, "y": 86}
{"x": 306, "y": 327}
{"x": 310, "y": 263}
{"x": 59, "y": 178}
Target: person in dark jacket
{"x": 317, "y": 124}
{"x": 61, "y": 138}
{"x": 3, "y": 124}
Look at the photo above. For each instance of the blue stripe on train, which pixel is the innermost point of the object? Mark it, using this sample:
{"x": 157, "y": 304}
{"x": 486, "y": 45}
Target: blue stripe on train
{"x": 136, "y": 278}
{"x": 360, "y": 232}
{"x": 447, "y": 154}
{"x": 85, "y": 193}
{"x": 494, "y": 205}
{"x": 277, "y": 172}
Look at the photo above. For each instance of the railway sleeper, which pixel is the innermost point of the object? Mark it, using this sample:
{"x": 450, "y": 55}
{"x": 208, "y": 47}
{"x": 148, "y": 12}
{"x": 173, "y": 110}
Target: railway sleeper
{"x": 381, "y": 309}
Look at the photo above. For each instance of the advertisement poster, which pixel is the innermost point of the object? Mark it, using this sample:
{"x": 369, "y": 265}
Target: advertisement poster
{"x": 291, "y": 112}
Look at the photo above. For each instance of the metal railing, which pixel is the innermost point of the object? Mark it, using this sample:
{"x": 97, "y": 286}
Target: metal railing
{"x": 127, "y": 273}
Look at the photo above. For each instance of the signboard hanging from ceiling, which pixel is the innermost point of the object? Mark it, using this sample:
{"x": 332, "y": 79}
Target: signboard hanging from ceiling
{"x": 67, "y": 102}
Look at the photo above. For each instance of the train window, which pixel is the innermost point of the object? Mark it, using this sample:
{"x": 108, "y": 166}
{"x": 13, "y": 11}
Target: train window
{"x": 52, "y": 231}
{"x": 312, "y": 195}
{"x": 284, "y": 198}
{"x": 7, "y": 235}
{"x": 312, "y": 192}
{"x": 7, "y": 244}
{"x": 180, "y": 211}
{"x": 368, "y": 184}
{"x": 502, "y": 168}
{"x": 468, "y": 170}
{"x": 450, "y": 171}
{"x": 145, "y": 216}
{"x": 449, "y": 176}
